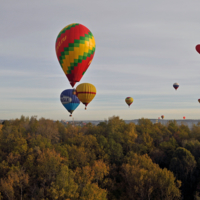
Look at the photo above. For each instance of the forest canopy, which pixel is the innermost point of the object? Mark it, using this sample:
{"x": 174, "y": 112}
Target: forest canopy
{"x": 47, "y": 160}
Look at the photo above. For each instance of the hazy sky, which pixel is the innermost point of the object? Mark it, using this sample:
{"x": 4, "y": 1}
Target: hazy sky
{"x": 142, "y": 48}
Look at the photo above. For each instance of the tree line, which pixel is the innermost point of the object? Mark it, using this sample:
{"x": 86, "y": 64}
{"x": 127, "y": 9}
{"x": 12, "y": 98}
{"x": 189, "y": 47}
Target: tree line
{"x": 41, "y": 159}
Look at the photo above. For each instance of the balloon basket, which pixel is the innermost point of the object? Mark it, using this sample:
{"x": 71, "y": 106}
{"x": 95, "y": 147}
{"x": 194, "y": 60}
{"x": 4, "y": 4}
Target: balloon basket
{"x": 74, "y": 92}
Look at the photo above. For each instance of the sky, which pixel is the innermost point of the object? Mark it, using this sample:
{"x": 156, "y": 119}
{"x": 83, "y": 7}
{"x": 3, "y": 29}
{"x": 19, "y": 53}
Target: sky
{"x": 142, "y": 48}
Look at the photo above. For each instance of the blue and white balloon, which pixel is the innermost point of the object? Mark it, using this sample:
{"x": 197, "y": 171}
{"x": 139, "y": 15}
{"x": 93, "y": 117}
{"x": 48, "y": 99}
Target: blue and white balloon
{"x": 176, "y": 86}
{"x": 69, "y": 100}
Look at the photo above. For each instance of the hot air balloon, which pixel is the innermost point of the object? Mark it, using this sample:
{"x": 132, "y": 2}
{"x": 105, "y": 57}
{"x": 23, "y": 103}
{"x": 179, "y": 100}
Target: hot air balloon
{"x": 183, "y": 117}
{"x": 69, "y": 100}
{"x": 198, "y": 48}
{"x": 85, "y": 92}
{"x": 199, "y": 100}
{"x": 176, "y": 85}
{"x": 75, "y": 47}
{"x": 129, "y": 100}
{"x": 162, "y": 116}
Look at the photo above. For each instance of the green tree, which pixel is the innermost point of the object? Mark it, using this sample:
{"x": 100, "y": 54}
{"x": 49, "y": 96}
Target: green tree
{"x": 64, "y": 186}
{"x": 7, "y": 187}
{"x": 77, "y": 157}
{"x": 142, "y": 179}
{"x": 48, "y": 129}
{"x": 168, "y": 147}
{"x": 195, "y": 133}
{"x": 193, "y": 146}
{"x": 88, "y": 179}
{"x": 183, "y": 166}
{"x": 48, "y": 166}
{"x": 183, "y": 163}
{"x": 20, "y": 180}
{"x": 173, "y": 126}
{"x": 93, "y": 192}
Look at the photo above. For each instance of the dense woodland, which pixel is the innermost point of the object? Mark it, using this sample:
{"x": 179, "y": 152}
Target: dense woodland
{"x": 45, "y": 160}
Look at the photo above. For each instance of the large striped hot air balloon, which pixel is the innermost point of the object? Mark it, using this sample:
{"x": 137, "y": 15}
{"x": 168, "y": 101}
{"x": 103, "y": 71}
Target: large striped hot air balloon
{"x": 85, "y": 92}
{"x": 69, "y": 100}
{"x": 75, "y": 47}
{"x": 176, "y": 86}
{"x": 129, "y": 100}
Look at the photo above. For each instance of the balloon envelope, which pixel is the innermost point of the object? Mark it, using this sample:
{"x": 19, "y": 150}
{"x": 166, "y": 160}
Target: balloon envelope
{"x": 175, "y": 85}
{"x": 69, "y": 100}
{"x": 129, "y": 100}
{"x": 75, "y": 47}
{"x": 183, "y": 117}
{"x": 85, "y": 92}
{"x": 198, "y": 48}
{"x": 199, "y": 100}
{"x": 162, "y": 116}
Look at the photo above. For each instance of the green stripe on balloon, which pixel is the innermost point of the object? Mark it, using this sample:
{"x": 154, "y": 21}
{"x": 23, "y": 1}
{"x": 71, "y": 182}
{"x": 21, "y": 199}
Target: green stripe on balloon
{"x": 75, "y": 44}
{"x": 84, "y": 72}
{"x": 74, "y": 64}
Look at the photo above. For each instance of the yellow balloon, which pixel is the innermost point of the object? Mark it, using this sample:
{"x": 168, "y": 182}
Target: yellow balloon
{"x": 129, "y": 100}
{"x": 85, "y": 92}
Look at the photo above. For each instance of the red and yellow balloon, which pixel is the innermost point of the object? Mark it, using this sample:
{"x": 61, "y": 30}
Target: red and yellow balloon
{"x": 75, "y": 48}
{"x": 129, "y": 100}
{"x": 85, "y": 92}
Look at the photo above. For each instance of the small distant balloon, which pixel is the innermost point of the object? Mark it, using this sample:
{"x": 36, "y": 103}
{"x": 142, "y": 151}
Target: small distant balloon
{"x": 129, "y": 100}
{"x": 183, "y": 117}
{"x": 199, "y": 100}
{"x": 198, "y": 48}
{"x": 176, "y": 86}
{"x": 162, "y": 116}
{"x": 85, "y": 92}
{"x": 69, "y": 100}
{"x": 158, "y": 117}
